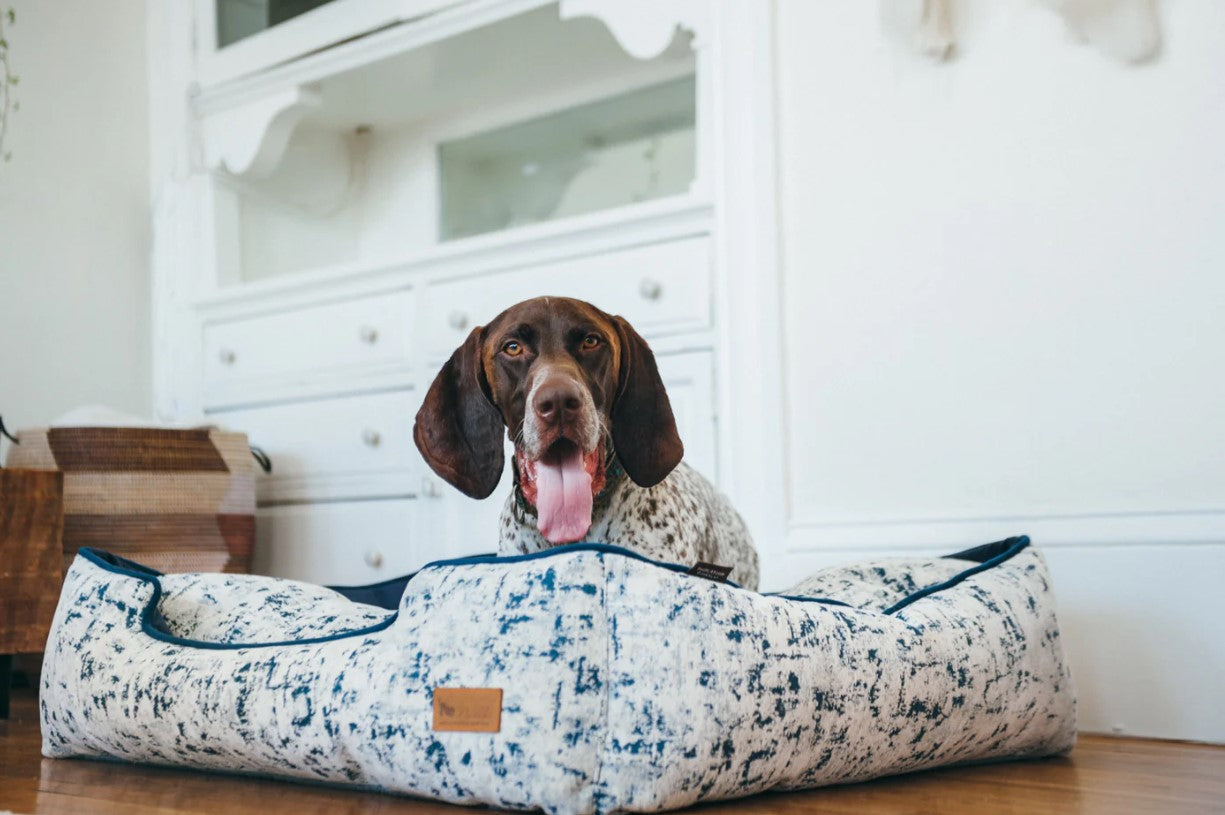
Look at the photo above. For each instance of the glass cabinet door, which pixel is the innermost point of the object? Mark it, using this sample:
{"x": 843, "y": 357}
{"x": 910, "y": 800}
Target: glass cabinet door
{"x": 240, "y": 37}
{"x": 473, "y": 134}
{"x": 239, "y": 19}
{"x": 623, "y": 150}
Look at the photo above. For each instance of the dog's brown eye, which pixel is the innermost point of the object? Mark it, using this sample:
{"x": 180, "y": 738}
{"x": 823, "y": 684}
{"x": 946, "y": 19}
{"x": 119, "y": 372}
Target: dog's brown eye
{"x": 512, "y": 348}
{"x": 591, "y": 341}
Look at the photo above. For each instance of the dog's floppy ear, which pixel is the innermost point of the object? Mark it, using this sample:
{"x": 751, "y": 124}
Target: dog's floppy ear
{"x": 643, "y": 428}
{"x": 458, "y": 429}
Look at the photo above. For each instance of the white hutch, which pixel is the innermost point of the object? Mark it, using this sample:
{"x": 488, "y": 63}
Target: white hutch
{"x": 343, "y": 189}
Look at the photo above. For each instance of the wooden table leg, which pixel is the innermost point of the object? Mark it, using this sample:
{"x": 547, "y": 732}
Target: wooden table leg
{"x": 6, "y": 683}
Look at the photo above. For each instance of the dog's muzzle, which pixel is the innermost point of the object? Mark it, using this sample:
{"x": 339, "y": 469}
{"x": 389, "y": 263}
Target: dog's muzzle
{"x": 561, "y": 461}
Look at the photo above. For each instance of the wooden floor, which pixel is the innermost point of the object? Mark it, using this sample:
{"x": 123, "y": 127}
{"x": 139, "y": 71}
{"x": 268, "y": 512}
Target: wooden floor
{"x": 1102, "y": 774}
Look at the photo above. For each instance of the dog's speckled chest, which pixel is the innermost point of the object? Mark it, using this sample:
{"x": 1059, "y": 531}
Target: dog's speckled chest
{"x": 682, "y": 519}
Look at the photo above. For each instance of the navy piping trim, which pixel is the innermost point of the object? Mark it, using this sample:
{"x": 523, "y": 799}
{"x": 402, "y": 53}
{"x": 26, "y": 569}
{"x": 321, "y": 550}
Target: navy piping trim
{"x": 118, "y": 565}
{"x": 1010, "y": 547}
{"x": 799, "y": 598}
{"x": 111, "y": 563}
{"x": 608, "y": 548}
{"x": 1017, "y": 545}
{"x": 605, "y": 548}
{"x": 373, "y": 586}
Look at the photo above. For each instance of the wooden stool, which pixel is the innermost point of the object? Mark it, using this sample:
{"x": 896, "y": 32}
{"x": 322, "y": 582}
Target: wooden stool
{"x": 173, "y": 500}
{"x": 31, "y": 564}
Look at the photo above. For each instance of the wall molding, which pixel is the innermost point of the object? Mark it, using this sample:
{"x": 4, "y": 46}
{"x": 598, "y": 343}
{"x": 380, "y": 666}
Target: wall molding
{"x": 737, "y": 73}
{"x": 1089, "y": 529}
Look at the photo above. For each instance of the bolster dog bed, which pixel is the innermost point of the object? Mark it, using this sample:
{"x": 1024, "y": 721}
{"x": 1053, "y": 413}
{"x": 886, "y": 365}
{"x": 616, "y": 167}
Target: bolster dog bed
{"x": 611, "y": 682}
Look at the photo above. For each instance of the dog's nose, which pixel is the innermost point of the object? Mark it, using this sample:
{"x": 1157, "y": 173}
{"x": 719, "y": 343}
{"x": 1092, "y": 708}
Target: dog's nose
{"x": 557, "y": 400}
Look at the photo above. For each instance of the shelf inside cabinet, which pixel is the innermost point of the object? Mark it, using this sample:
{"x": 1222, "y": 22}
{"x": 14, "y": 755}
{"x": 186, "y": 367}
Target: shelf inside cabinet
{"x": 532, "y": 54}
{"x": 634, "y": 147}
{"x": 348, "y": 155}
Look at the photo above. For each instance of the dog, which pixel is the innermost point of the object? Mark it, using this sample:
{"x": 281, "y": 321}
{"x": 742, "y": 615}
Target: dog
{"x": 596, "y": 452}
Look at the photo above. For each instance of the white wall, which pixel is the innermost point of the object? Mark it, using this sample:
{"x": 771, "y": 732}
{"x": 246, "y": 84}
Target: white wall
{"x": 1004, "y": 288}
{"x": 74, "y": 212}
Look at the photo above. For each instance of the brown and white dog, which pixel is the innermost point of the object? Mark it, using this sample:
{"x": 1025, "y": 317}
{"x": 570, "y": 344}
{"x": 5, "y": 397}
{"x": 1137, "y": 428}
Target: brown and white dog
{"x": 597, "y": 454}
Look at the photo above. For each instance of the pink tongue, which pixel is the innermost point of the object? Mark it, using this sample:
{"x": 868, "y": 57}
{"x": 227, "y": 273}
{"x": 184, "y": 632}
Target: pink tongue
{"x": 563, "y": 498}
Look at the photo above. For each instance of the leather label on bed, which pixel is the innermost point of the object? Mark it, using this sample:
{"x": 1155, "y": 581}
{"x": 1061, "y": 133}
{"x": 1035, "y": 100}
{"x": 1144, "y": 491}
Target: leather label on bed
{"x": 472, "y": 710}
{"x": 710, "y": 571}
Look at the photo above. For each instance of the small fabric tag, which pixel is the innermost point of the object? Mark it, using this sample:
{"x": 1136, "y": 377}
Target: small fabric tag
{"x": 471, "y": 710}
{"x": 711, "y": 571}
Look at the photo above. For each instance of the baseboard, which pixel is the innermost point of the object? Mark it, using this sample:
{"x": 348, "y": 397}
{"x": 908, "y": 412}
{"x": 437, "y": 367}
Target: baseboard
{"x": 1089, "y": 529}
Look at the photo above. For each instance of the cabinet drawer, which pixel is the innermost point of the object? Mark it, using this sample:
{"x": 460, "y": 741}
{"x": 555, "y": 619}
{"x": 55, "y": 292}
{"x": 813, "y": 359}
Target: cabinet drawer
{"x": 343, "y": 543}
{"x": 662, "y": 288}
{"x": 243, "y": 359}
{"x": 357, "y": 446}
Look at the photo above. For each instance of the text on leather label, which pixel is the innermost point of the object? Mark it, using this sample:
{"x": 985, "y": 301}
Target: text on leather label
{"x": 472, "y": 710}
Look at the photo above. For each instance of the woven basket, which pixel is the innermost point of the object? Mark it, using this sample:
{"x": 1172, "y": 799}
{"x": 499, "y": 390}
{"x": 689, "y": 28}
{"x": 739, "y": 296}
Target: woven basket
{"x": 176, "y": 500}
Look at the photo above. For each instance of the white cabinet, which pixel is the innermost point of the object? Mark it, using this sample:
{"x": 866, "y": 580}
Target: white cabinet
{"x": 355, "y": 186}
{"x": 342, "y": 447}
{"x": 662, "y": 288}
{"x": 241, "y": 37}
{"x": 410, "y": 140}
{"x": 464, "y": 526}
{"x": 689, "y": 379}
{"x": 251, "y": 359}
{"x": 343, "y": 543}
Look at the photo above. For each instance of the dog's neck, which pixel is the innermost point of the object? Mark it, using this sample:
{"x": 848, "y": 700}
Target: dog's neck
{"x": 614, "y": 475}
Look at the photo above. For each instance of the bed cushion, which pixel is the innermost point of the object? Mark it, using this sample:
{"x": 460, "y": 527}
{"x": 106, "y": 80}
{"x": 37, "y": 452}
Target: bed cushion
{"x": 625, "y": 684}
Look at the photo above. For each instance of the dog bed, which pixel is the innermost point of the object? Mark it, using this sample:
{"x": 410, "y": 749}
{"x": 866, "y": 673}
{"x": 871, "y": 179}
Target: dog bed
{"x": 611, "y": 682}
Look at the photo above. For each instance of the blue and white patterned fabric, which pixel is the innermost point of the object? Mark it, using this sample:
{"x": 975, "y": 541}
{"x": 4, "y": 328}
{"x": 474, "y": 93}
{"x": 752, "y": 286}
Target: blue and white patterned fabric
{"x": 626, "y": 684}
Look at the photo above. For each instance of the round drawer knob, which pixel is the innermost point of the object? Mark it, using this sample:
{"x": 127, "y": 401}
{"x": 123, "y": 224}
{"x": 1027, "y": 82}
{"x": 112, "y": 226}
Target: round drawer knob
{"x": 227, "y": 356}
{"x": 458, "y": 320}
{"x": 650, "y": 289}
{"x": 374, "y": 559}
{"x": 368, "y": 334}
{"x": 371, "y": 437}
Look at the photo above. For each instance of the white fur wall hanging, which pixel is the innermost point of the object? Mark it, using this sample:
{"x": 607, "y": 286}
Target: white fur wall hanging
{"x": 924, "y": 25}
{"x": 1126, "y": 30}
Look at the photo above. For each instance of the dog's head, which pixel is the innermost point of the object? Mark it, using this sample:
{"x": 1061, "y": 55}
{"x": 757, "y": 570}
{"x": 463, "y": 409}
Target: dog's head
{"x": 571, "y": 385}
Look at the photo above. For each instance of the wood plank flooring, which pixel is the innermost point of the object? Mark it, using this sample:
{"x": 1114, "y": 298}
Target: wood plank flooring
{"x": 1103, "y": 774}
